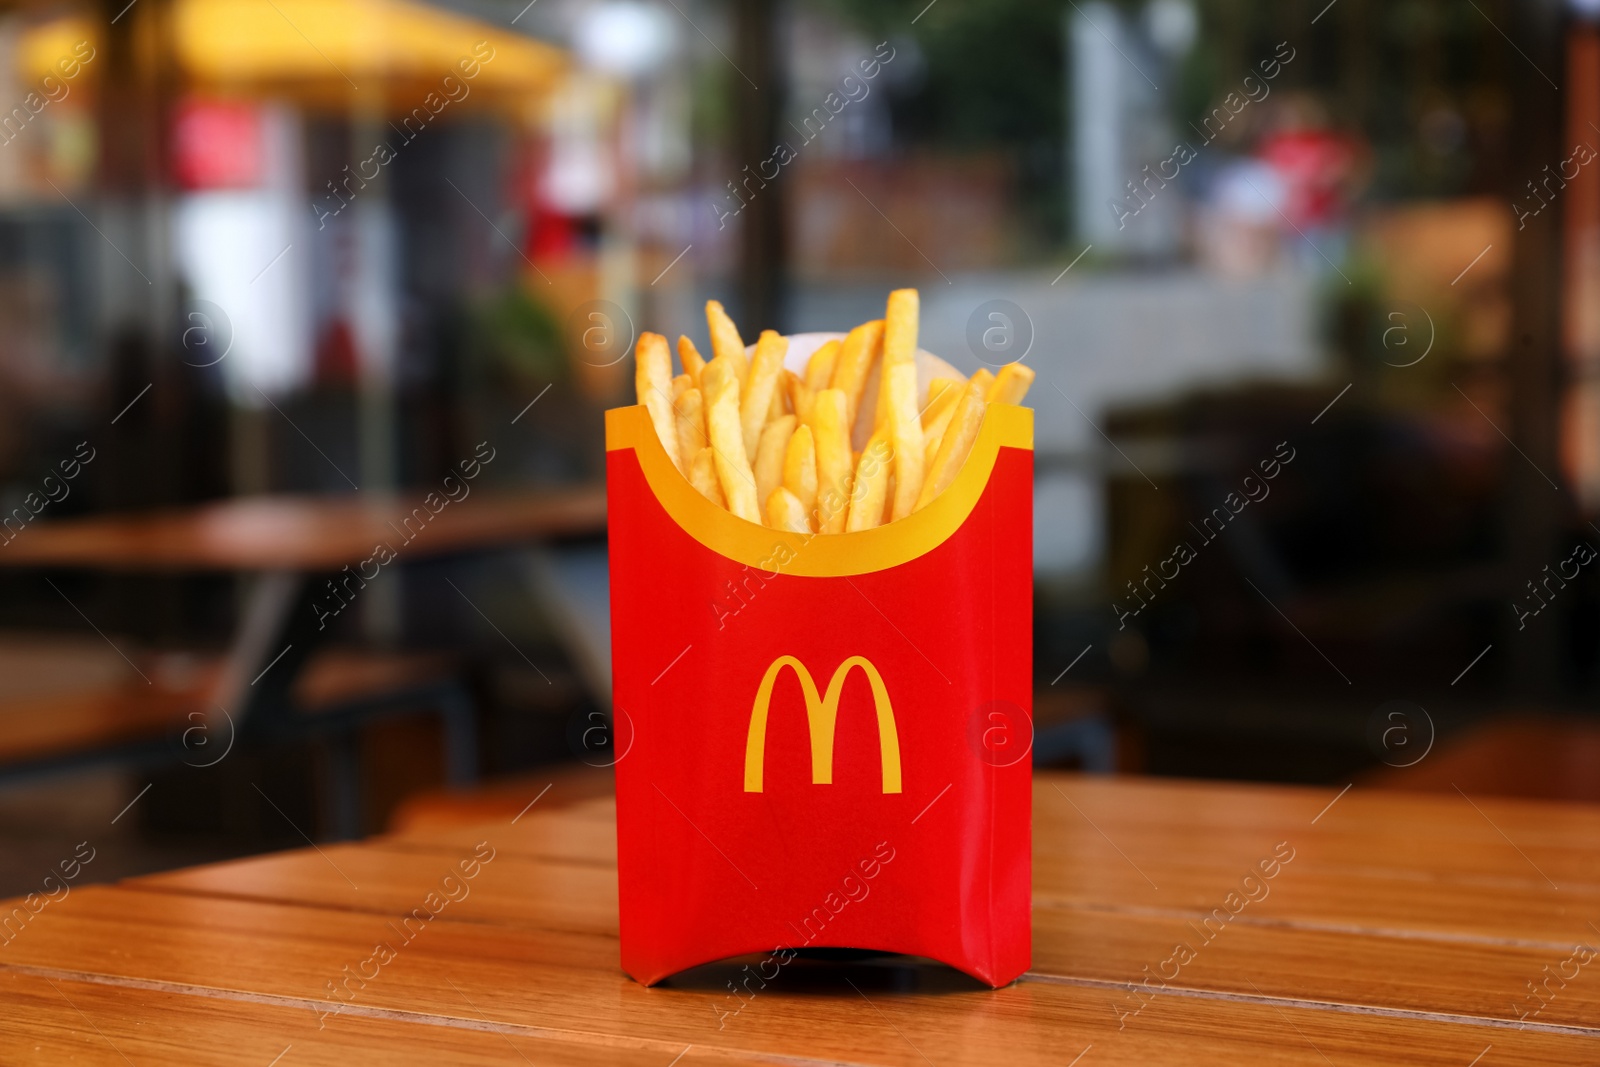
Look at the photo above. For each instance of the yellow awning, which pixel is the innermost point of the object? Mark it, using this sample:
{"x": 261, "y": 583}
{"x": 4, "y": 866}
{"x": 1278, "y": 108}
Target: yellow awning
{"x": 44, "y": 44}
{"x": 322, "y": 48}
{"x": 231, "y": 41}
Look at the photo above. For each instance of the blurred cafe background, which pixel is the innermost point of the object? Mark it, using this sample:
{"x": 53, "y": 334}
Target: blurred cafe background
{"x": 1312, "y": 290}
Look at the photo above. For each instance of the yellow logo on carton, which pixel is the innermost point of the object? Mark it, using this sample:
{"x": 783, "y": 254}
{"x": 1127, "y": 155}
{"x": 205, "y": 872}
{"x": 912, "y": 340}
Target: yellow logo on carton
{"x": 822, "y": 712}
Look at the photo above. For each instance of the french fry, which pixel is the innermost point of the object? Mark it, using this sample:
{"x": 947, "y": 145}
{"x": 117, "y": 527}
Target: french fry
{"x": 773, "y": 446}
{"x": 733, "y": 463}
{"x": 854, "y": 365}
{"x": 725, "y": 339}
{"x": 899, "y": 345}
{"x": 831, "y": 429}
{"x": 942, "y": 395}
{"x": 693, "y": 362}
{"x": 718, "y": 373}
{"x": 935, "y": 429}
{"x": 785, "y": 512}
{"x": 652, "y": 380}
{"x": 800, "y": 467}
{"x": 900, "y": 327}
{"x": 871, "y": 488}
{"x": 770, "y": 453}
{"x": 691, "y": 423}
{"x": 956, "y": 443}
{"x": 760, "y": 386}
{"x": 1011, "y": 384}
{"x": 819, "y": 368}
{"x": 801, "y": 395}
{"x": 904, "y": 426}
{"x": 880, "y": 416}
{"x": 703, "y": 476}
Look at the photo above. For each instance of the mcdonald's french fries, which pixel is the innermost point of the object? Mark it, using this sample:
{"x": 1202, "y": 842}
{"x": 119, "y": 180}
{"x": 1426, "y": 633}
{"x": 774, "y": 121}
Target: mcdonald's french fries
{"x": 734, "y": 474}
{"x": 725, "y": 340}
{"x": 835, "y": 462}
{"x": 801, "y": 395}
{"x": 857, "y": 352}
{"x": 653, "y": 380}
{"x": 956, "y": 443}
{"x": 819, "y": 368}
{"x": 800, "y": 467}
{"x": 942, "y": 395}
{"x": 756, "y": 405}
{"x": 933, "y": 428}
{"x": 772, "y": 444}
{"x": 771, "y": 451}
{"x": 900, "y": 327}
{"x": 1011, "y": 384}
{"x": 716, "y": 373}
{"x": 693, "y": 362}
{"x": 785, "y": 512}
{"x": 871, "y": 488}
{"x": 691, "y": 424}
{"x": 904, "y": 424}
{"x": 703, "y": 476}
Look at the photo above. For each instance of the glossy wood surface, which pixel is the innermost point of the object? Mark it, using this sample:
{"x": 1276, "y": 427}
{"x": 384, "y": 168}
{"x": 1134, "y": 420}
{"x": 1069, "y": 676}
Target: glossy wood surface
{"x": 298, "y": 533}
{"x": 1404, "y": 929}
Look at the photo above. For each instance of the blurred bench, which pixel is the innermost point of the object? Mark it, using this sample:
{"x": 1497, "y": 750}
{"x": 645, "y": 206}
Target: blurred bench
{"x": 75, "y": 709}
{"x": 296, "y": 549}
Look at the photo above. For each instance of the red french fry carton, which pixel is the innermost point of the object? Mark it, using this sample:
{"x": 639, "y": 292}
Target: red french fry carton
{"x": 805, "y": 722}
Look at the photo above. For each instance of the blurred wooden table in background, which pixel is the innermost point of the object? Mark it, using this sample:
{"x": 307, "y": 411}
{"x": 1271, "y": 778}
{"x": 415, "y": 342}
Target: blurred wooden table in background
{"x": 1393, "y": 929}
{"x": 302, "y": 554}
{"x": 303, "y": 533}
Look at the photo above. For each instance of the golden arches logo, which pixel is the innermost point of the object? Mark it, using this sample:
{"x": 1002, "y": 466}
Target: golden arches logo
{"x": 822, "y": 713}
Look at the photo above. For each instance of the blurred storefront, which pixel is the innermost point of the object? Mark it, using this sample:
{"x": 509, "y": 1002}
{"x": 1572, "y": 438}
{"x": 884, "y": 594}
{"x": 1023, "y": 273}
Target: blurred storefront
{"x": 260, "y": 203}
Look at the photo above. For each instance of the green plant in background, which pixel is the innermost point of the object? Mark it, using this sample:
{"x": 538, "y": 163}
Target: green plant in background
{"x": 511, "y": 334}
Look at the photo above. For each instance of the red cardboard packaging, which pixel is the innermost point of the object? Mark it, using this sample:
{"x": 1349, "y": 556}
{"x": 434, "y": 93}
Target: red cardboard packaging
{"x": 804, "y": 721}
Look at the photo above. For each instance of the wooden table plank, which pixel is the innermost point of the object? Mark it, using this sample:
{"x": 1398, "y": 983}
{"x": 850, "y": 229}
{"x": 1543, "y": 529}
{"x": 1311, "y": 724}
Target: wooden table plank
{"x": 1377, "y": 938}
{"x": 1263, "y": 949}
{"x": 567, "y": 986}
{"x": 513, "y": 890}
{"x": 1477, "y": 979}
{"x": 53, "y": 1019}
{"x": 1433, "y": 866}
{"x": 1230, "y": 826}
{"x": 1444, "y": 836}
{"x": 1363, "y": 952}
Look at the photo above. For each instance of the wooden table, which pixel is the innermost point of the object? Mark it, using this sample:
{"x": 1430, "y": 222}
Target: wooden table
{"x": 301, "y": 533}
{"x": 1405, "y": 929}
{"x": 296, "y": 549}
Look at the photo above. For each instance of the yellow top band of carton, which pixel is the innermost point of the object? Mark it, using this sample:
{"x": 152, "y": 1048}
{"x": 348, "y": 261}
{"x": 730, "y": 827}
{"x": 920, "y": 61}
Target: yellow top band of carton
{"x": 819, "y": 555}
